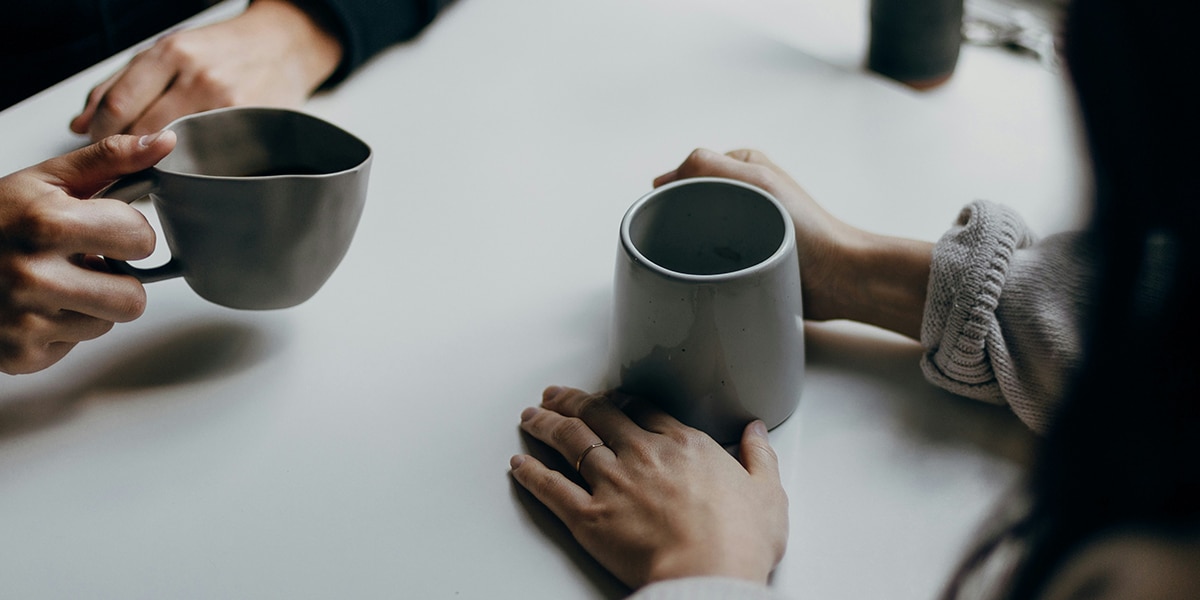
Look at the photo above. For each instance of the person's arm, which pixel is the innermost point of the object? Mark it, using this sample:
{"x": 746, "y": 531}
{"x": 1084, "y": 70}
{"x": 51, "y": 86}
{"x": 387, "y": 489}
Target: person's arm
{"x": 1004, "y": 318}
{"x": 276, "y": 53}
{"x": 846, "y": 273}
{"x": 999, "y": 316}
{"x": 54, "y": 289}
{"x": 367, "y": 27}
{"x": 273, "y": 54}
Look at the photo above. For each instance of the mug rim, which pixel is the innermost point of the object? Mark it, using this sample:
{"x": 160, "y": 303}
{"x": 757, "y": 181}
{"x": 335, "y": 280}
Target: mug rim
{"x": 158, "y": 168}
{"x": 786, "y": 245}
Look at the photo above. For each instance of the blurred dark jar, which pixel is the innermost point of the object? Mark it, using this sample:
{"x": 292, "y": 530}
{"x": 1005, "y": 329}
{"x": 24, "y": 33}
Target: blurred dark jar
{"x": 915, "y": 42}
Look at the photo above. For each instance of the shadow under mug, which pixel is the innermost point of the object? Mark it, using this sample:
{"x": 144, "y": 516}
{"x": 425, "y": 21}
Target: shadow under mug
{"x": 258, "y": 205}
{"x": 707, "y": 320}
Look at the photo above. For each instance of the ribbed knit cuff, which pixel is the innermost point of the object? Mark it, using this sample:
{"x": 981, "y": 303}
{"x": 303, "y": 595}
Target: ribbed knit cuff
{"x": 969, "y": 267}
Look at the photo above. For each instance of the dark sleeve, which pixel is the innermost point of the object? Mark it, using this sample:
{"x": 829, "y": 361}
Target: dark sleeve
{"x": 367, "y": 27}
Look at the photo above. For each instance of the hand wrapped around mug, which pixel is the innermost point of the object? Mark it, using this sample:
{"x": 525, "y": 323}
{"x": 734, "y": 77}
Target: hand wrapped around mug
{"x": 848, "y": 273}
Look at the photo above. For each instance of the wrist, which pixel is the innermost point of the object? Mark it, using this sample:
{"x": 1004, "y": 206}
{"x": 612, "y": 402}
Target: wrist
{"x": 884, "y": 282}
{"x": 704, "y": 563}
{"x": 305, "y": 36}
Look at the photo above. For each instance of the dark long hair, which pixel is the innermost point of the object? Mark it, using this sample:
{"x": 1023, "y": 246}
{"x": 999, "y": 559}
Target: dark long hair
{"x": 1125, "y": 447}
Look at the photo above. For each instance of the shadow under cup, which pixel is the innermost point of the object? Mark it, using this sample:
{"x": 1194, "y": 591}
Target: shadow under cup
{"x": 707, "y": 307}
{"x": 258, "y": 205}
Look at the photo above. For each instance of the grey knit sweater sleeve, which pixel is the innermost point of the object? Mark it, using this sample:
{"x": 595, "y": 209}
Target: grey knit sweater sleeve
{"x": 705, "y": 588}
{"x": 1003, "y": 313}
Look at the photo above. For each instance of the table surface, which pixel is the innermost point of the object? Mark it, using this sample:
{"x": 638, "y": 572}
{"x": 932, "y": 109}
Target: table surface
{"x": 357, "y": 445}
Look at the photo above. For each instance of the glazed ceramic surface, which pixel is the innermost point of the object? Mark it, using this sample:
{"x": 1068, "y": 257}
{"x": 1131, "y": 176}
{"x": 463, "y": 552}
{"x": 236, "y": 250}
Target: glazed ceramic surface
{"x": 707, "y": 311}
{"x": 258, "y": 205}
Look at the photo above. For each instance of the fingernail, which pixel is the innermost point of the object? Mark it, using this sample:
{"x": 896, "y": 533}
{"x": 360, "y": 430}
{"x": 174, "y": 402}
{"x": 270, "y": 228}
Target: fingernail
{"x": 528, "y": 413}
{"x": 759, "y": 428}
{"x": 516, "y": 461}
{"x": 550, "y": 392}
{"x": 150, "y": 138}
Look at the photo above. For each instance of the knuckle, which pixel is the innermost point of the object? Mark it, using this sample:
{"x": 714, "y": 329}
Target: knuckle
{"x": 641, "y": 452}
{"x": 217, "y": 88}
{"x": 765, "y": 452}
{"x": 690, "y": 439}
{"x": 595, "y": 517}
{"x": 545, "y": 484}
{"x": 563, "y": 399}
{"x": 751, "y": 155}
{"x": 97, "y": 94}
{"x": 131, "y": 305}
{"x": 694, "y": 161}
{"x": 19, "y": 327}
{"x": 13, "y": 361}
{"x": 698, "y": 155}
{"x": 108, "y": 147}
{"x": 133, "y": 236}
{"x": 206, "y": 77}
{"x": 42, "y": 226}
{"x": 16, "y": 278}
{"x": 592, "y": 404}
{"x": 700, "y": 162}
{"x": 569, "y": 430}
{"x": 30, "y": 298}
{"x": 174, "y": 48}
{"x": 781, "y": 497}
{"x": 141, "y": 245}
{"x": 18, "y": 352}
{"x": 141, "y": 240}
{"x": 117, "y": 104}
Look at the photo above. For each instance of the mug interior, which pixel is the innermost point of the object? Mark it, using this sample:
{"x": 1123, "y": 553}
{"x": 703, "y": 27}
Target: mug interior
{"x": 707, "y": 228}
{"x": 261, "y": 142}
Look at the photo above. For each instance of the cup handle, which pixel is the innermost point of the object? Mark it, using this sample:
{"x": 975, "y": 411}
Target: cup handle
{"x": 127, "y": 189}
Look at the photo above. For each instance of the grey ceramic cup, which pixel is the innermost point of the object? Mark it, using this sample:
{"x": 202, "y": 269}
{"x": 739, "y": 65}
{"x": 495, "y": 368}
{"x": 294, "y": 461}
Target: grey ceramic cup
{"x": 258, "y": 205}
{"x": 707, "y": 318}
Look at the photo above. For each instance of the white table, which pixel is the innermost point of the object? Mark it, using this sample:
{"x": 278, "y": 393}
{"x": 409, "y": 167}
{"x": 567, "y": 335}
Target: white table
{"x": 357, "y": 446}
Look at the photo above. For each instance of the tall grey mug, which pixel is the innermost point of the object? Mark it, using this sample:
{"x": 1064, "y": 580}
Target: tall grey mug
{"x": 258, "y": 205}
{"x": 707, "y": 318}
